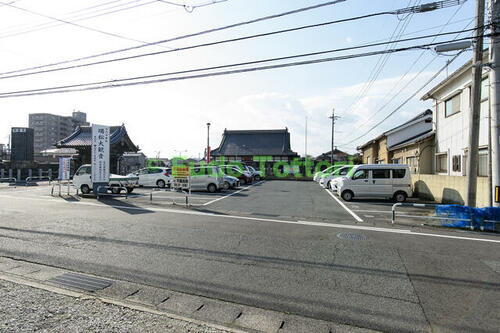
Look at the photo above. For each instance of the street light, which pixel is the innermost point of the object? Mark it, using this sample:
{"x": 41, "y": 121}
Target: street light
{"x": 457, "y": 46}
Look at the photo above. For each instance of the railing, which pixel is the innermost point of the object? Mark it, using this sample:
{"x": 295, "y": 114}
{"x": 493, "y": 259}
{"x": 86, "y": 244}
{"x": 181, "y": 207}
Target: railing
{"x": 187, "y": 194}
{"x": 11, "y": 180}
{"x": 59, "y": 184}
{"x": 29, "y": 179}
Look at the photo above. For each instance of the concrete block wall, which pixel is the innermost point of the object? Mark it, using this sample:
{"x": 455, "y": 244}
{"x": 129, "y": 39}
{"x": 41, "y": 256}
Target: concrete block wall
{"x": 448, "y": 189}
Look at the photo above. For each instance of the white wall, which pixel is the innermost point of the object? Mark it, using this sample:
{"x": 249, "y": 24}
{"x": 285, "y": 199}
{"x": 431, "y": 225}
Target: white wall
{"x": 452, "y": 133}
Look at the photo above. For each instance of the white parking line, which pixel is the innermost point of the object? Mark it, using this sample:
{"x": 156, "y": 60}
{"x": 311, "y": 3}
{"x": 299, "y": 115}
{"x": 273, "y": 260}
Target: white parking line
{"x": 356, "y": 217}
{"x": 309, "y": 223}
{"x": 230, "y": 194}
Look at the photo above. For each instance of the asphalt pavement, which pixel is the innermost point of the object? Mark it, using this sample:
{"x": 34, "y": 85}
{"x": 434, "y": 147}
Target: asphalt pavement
{"x": 280, "y": 245}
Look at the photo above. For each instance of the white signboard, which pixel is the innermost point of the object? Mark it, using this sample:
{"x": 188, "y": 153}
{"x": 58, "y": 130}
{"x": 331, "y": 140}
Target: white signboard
{"x": 64, "y": 168}
{"x": 100, "y": 154}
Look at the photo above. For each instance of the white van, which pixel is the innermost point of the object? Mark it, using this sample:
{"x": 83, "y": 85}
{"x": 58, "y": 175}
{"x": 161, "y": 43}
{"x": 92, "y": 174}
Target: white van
{"x": 206, "y": 178}
{"x": 377, "y": 181}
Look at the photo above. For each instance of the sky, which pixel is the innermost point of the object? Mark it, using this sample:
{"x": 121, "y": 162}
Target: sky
{"x": 170, "y": 117}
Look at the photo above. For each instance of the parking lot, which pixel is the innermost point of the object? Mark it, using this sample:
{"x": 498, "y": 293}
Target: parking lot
{"x": 278, "y": 199}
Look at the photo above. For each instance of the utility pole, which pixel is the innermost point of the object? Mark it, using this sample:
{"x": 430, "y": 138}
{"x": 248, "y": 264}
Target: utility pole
{"x": 495, "y": 100}
{"x": 208, "y": 143}
{"x": 333, "y": 117}
{"x": 305, "y": 143}
{"x": 475, "y": 111}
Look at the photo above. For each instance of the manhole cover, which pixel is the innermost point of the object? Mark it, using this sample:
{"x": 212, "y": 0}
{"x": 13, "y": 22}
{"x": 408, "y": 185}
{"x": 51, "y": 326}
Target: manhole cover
{"x": 346, "y": 235}
{"x": 79, "y": 281}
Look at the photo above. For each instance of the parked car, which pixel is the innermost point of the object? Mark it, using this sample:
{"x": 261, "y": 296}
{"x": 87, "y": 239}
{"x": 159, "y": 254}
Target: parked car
{"x": 317, "y": 176}
{"x": 377, "y": 181}
{"x": 154, "y": 176}
{"x": 340, "y": 172}
{"x": 230, "y": 182}
{"x": 82, "y": 180}
{"x": 256, "y": 174}
{"x": 245, "y": 177}
{"x": 206, "y": 178}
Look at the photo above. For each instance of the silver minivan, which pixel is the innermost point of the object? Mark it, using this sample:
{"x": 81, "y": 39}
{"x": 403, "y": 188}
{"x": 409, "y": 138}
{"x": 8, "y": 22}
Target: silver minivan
{"x": 206, "y": 178}
{"x": 377, "y": 181}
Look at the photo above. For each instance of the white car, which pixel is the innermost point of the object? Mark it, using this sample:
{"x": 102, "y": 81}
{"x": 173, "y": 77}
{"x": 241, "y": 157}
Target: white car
{"x": 256, "y": 174}
{"x": 317, "y": 175}
{"x": 377, "y": 181}
{"x": 340, "y": 172}
{"x": 154, "y": 176}
{"x": 335, "y": 182}
{"x": 82, "y": 180}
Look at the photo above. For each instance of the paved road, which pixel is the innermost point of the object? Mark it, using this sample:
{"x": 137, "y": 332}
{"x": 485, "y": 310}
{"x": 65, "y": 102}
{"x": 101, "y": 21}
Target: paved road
{"x": 292, "y": 259}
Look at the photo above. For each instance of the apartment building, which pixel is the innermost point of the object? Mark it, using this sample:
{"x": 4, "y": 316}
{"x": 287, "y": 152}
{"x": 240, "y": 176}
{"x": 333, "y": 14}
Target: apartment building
{"x": 50, "y": 128}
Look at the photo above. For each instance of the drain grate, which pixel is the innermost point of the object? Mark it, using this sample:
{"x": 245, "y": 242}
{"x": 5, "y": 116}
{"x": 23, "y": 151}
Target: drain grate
{"x": 79, "y": 281}
{"x": 351, "y": 236}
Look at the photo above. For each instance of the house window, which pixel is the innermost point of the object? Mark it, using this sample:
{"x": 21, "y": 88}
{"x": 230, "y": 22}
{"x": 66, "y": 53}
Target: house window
{"x": 482, "y": 168}
{"x": 456, "y": 162}
{"x": 396, "y": 160}
{"x": 452, "y": 105}
{"x": 412, "y": 164}
{"x": 485, "y": 89}
{"x": 442, "y": 163}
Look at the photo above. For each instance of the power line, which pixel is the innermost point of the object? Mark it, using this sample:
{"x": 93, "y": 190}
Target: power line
{"x": 191, "y": 8}
{"x": 48, "y": 25}
{"x": 279, "y": 58}
{"x": 74, "y": 24}
{"x": 183, "y": 48}
{"x": 382, "y": 61}
{"x": 203, "y": 32}
{"x": 409, "y": 98}
{"x": 115, "y": 84}
{"x": 410, "y": 68}
{"x": 187, "y": 47}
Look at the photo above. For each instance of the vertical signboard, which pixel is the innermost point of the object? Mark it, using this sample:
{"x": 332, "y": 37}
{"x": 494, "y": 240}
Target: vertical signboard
{"x": 64, "y": 168}
{"x": 100, "y": 154}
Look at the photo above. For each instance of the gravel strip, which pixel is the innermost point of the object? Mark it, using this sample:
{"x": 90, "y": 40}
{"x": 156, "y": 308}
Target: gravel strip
{"x": 27, "y": 309}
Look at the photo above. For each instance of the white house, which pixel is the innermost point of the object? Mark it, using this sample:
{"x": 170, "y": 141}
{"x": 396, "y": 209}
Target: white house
{"x": 452, "y": 100}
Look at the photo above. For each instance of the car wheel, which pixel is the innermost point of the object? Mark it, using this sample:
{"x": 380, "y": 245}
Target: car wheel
{"x": 212, "y": 188}
{"x": 116, "y": 190}
{"x": 160, "y": 183}
{"x": 85, "y": 189}
{"x": 400, "y": 197}
{"x": 347, "y": 195}
{"x": 243, "y": 181}
{"x": 257, "y": 178}
{"x": 226, "y": 186}
{"x": 328, "y": 184}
